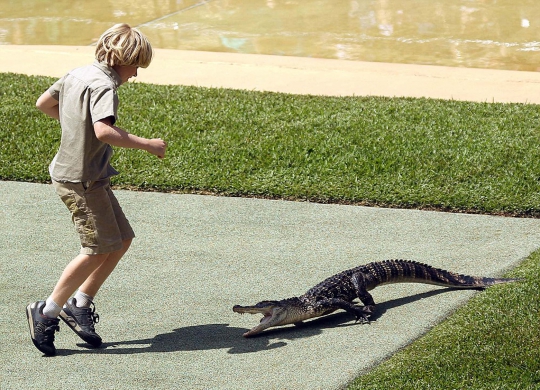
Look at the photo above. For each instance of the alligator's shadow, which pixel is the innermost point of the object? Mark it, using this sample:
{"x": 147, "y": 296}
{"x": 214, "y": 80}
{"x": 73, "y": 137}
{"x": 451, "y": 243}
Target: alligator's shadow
{"x": 221, "y": 336}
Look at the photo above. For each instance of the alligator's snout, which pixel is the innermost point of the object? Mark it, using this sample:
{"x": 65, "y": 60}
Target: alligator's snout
{"x": 274, "y": 313}
{"x": 264, "y": 308}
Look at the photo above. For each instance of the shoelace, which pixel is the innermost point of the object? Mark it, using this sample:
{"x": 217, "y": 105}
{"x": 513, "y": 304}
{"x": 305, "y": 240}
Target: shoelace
{"x": 47, "y": 330}
{"x": 93, "y": 317}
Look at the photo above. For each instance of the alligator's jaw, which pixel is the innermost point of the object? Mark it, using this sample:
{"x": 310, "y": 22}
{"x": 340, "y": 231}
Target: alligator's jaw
{"x": 272, "y": 316}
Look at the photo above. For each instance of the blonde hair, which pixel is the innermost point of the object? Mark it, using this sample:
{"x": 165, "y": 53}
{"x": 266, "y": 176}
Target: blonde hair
{"x": 125, "y": 46}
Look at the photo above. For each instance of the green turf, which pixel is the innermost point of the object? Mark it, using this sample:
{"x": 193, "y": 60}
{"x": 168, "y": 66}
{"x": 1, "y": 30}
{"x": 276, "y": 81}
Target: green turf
{"x": 393, "y": 152}
{"x": 447, "y": 155}
{"x": 493, "y": 342}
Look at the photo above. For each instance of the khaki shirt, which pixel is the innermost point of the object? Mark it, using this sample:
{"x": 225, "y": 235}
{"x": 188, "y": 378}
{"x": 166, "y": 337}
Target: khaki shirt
{"x": 86, "y": 95}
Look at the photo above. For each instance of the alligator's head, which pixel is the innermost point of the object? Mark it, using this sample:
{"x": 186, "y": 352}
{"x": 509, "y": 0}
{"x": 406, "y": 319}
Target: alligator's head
{"x": 275, "y": 313}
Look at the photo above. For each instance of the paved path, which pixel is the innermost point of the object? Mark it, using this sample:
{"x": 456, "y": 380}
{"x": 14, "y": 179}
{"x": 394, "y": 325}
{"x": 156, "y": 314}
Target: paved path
{"x": 166, "y": 312}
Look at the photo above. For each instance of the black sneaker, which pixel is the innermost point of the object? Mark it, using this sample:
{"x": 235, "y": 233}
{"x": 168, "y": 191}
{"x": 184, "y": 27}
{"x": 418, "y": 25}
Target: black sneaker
{"x": 42, "y": 328}
{"x": 81, "y": 320}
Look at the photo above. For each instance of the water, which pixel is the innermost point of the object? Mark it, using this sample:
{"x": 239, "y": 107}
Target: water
{"x": 494, "y": 34}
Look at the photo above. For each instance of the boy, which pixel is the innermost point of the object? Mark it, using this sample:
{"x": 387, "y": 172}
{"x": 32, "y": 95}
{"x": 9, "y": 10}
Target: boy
{"x": 85, "y": 102}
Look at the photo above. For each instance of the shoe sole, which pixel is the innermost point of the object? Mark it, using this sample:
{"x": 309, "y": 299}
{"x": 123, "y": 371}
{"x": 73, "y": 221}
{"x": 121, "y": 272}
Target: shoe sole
{"x": 78, "y": 330}
{"x": 29, "y": 309}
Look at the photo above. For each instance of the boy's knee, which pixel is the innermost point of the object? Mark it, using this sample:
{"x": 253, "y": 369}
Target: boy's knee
{"x": 126, "y": 244}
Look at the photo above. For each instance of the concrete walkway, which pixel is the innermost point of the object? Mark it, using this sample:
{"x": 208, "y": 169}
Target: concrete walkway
{"x": 166, "y": 313}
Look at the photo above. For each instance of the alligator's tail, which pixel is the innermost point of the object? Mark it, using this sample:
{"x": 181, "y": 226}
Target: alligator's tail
{"x": 405, "y": 271}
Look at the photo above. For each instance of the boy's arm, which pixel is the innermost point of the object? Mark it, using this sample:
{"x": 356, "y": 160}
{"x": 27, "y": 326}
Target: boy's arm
{"x": 49, "y": 105}
{"x": 108, "y": 133}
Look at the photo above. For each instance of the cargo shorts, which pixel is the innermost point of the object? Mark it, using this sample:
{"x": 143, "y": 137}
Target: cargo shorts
{"x": 96, "y": 214}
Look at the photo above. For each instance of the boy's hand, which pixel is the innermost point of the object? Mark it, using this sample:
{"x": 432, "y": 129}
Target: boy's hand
{"x": 157, "y": 147}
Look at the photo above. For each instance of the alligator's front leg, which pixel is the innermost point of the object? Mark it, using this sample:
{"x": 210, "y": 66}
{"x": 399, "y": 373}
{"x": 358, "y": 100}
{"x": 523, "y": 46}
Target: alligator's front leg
{"x": 360, "y": 283}
{"x": 326, "y": 306}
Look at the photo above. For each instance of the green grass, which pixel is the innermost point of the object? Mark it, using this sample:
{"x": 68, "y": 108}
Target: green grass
{"x": 446, "y": 155}
{"x": 420, "y": 153}
{"x": 493, "y": 342}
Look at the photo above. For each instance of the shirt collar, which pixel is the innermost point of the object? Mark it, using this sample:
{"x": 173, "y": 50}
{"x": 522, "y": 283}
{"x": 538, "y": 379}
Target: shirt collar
{"x": 109, "y": 71}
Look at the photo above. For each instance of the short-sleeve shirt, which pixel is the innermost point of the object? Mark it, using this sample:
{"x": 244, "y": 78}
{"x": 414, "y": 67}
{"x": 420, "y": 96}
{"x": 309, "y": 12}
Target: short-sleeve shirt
{"x": 86, "y": 95}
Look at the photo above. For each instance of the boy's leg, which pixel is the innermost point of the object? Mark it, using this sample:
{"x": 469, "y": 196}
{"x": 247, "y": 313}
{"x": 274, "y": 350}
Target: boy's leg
{"x": 81, "y": 319}
{"x": 104, "y": 231}
{"x": 75, "y": 273}
{"x": 88, "y": 290}
{"x": 93, "y": 283}
{"x": 101, "y": 224}
{"x": 42, "y": 326}
{"x": 97, "y": 269}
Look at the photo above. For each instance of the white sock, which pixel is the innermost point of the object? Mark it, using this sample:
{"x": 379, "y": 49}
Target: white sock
{"x": 51, "y": 309}
{"x": 82, "y": 299}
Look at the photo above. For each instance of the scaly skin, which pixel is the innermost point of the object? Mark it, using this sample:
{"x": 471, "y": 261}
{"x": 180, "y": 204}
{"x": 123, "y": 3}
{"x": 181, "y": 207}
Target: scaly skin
{"x": 340, "y": 290}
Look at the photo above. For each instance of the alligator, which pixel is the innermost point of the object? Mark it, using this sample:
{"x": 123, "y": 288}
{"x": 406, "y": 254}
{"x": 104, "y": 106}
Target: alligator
{"x": 340, "y": 290}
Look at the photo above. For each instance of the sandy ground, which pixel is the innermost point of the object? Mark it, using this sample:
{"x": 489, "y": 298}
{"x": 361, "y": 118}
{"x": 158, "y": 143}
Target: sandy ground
{"x": 293, "y": 74}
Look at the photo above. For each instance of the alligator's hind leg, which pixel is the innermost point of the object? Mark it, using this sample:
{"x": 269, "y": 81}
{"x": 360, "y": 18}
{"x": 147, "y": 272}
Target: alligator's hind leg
{"x": 360, "y": 283}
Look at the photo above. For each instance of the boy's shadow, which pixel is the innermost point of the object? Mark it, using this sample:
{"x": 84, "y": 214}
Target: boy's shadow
{"x": 221, "y": 336}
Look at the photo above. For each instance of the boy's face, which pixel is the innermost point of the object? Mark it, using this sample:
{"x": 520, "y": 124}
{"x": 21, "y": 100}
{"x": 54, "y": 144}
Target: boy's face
{"x": 126, "y": 72}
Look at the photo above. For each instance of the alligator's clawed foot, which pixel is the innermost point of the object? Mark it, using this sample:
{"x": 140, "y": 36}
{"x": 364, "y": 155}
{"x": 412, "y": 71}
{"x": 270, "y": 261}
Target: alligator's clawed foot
{"x": 362, "y": 319}
{"x": 363, "y": 313}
